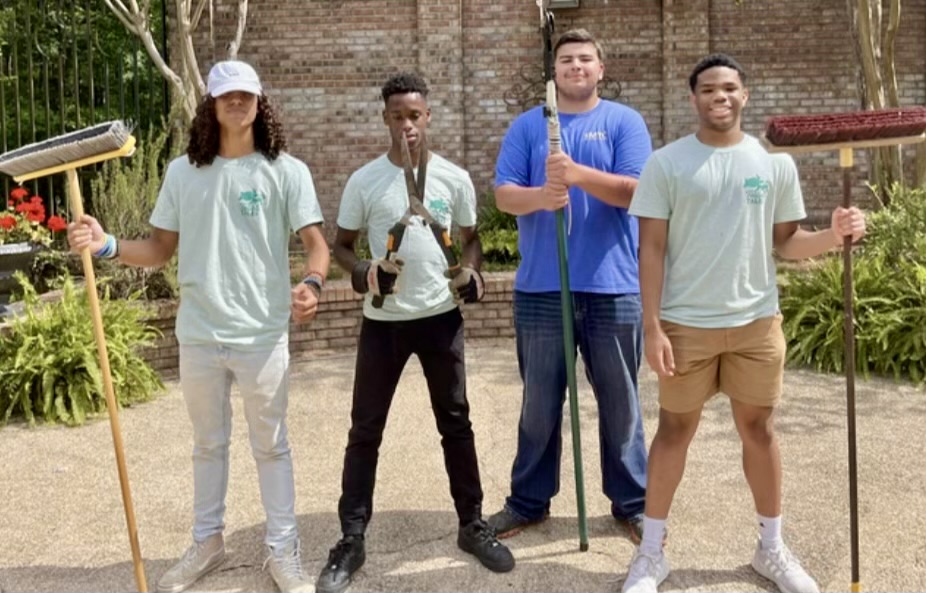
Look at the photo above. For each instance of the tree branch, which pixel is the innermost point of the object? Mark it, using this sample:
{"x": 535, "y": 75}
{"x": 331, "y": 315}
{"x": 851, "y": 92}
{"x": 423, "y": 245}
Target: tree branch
{"x": 888, "y": 66}
{"x": 194, "y": 20}
{"x": 122, "y": 13}
{"x": 239, "y": 31}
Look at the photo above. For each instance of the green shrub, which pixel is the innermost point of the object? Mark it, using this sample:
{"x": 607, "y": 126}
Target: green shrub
{"x": 896, "y": 231}
{"x": 123, "y": 196}
{"x": 498, "y": 233}
{"x": 889, "y": 286}
{"x": 49, "y": 367}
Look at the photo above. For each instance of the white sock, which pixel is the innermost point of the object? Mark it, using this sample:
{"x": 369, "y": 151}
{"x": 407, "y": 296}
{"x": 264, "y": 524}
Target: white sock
{"x": 770, "y": 532}
{"x": 653, "y": 532}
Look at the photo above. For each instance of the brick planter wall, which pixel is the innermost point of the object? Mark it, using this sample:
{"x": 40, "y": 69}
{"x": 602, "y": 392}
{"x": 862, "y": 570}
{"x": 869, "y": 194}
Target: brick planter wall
{"x": 338, "y": 322}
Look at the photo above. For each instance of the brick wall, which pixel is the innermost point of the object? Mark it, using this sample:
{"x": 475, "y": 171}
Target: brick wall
{"x": 324, "y": 61}
{"x": 338, "y": 322}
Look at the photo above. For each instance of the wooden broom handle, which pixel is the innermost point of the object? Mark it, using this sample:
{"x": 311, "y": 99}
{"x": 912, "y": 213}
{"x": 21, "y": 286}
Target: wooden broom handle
{"x": 77, "y": 210}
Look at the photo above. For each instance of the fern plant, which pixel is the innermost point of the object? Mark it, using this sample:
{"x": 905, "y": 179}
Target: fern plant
{"x": 49, "y": 368}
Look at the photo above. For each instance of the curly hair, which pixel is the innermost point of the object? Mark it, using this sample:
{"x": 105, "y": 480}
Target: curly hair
{"x": 269, "y": 138}
{"x": 404, "y": 83}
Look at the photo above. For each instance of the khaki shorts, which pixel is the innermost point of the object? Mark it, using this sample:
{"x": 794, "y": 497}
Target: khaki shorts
{"x": 746, "y": 363}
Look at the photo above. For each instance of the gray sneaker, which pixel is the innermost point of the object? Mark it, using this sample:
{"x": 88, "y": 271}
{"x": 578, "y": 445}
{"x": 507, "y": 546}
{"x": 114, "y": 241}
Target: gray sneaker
{"x": 646, "y": 573}
{"x": 782, "y": 568}
{"x": 286, "y": 569}
{"x": 200, "y": 559}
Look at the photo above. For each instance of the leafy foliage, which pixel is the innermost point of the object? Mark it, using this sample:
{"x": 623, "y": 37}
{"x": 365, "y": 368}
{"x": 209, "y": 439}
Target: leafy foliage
{"x": 49, "y": 367}
{"x": 498, "y": 232}
{"x": 124, "y": 194}
{"x": 73, "y": 63}
{"x": 889, "y": 285}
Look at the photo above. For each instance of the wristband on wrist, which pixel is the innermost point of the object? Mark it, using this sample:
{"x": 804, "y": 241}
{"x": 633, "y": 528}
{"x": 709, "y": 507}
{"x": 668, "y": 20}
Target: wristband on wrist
{"x": 317, "y": 275}
{"x": 110, "y": 248}
{"x": 314, "y": 281}
{"x": 358, "y": 276}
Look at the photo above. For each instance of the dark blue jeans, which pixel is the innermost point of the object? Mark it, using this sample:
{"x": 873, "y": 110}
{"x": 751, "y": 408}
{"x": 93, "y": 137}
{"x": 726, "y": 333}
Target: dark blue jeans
{"x": 608, "y": 332}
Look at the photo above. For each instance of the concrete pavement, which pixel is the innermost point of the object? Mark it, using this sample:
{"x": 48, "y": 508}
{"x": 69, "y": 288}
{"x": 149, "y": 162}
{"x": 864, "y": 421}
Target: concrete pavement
{"x": 62, "y": 526}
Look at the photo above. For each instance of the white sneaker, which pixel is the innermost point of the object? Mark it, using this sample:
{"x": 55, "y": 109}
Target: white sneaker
{"x": 646, "y": 572}
{"x": 782, "y": 568}
{"x": 286, "y": 569}
{"x": 199, "y": 559}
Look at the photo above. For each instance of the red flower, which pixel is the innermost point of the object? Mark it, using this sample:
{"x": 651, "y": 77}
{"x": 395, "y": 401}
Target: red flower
{"x": 56, "y": 223}
{"x": 24, "y": 220}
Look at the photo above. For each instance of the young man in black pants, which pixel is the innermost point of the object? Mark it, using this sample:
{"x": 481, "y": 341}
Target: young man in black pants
{"x": 421, "y": 316}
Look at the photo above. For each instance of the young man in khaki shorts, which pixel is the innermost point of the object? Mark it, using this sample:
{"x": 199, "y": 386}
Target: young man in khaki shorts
{"x": 744, "y": 362}
{"x": 712, "y": 207}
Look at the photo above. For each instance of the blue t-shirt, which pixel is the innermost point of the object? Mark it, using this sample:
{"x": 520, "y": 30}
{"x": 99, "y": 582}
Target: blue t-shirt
{"x": 603, "y": 241}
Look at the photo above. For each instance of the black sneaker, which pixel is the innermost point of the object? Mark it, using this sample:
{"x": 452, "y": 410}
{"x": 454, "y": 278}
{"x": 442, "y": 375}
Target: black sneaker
{"x": 343, "y": 561}
{"x": 506, "y": 523}
{"x": 479, "y": 539}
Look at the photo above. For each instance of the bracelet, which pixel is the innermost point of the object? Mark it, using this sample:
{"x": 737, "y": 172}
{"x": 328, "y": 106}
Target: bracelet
{"x": 314, "y": 282}
{"x": 317, "y": 275}
{"x": 110, "y": 248}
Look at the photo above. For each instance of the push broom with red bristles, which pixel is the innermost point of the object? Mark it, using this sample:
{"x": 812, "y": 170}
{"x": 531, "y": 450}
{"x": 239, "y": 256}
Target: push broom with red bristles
{"x": 66, "y": 154}
{"x": 845, "y": 132}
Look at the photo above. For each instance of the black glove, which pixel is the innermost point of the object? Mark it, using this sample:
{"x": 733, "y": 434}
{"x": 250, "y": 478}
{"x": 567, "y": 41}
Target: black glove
{"x": 376, "y": 276}
{"x": 467, "y": 286}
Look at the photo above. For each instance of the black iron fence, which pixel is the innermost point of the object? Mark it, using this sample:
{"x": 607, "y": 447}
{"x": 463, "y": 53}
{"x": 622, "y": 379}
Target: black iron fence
{"x": 67, "y": 64}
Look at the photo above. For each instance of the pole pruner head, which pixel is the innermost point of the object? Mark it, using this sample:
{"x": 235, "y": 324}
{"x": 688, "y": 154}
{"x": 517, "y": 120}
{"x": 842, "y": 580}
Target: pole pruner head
{"x": 546, "y": 29}
{"x": 546, "y": 23}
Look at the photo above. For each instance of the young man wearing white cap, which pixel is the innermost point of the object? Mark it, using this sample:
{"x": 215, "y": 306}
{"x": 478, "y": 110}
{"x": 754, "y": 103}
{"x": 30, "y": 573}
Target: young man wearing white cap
{"x": 227, "y": 208}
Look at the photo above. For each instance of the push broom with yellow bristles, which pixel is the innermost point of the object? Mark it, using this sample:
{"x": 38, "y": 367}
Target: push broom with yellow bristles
{"x": 66, "y": 154}
{"x": 845, "y": 132}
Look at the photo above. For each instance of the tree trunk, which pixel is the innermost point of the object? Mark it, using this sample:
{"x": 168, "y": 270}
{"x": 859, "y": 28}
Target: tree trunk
{"x": 919, "y": 176}
{"x": 879, "y": 80}
{"x": 186, "y": 81}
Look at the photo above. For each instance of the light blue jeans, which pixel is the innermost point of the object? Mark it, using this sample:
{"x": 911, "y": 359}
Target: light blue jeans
{"x": 608, "y": 333}
{"x": 206, "y": 376}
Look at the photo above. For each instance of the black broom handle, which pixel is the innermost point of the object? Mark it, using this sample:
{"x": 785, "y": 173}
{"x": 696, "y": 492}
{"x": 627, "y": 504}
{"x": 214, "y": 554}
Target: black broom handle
{"x": 845, "y": 160}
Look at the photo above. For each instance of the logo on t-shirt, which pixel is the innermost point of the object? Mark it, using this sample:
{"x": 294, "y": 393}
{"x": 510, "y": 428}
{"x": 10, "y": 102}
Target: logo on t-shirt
{"x": 756, "y": 189}
{"x": 439, "y": 209}
{"x": 600, "y": 135}
{"x": 250, "y": 202}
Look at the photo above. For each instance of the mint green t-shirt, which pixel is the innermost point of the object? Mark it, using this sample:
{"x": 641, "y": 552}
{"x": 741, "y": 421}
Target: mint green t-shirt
{"x": 721, "y": 205}
{"x": 234, "y": 218}
{"x": 375, "y": 198}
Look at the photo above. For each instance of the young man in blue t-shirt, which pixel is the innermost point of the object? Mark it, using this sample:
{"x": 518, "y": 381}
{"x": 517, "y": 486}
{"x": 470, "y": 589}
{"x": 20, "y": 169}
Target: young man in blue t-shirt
{"x": 604, "y": 147}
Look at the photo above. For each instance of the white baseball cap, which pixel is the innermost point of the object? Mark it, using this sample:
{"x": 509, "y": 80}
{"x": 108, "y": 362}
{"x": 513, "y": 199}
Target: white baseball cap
{"x": 232, "y": 75}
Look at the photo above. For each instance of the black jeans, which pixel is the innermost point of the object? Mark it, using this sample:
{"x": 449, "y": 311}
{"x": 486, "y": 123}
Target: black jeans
{"x": 383, "y": 350}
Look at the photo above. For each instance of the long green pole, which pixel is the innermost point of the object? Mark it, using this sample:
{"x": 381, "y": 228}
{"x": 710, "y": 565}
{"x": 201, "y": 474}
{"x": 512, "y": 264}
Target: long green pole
{"x": 569, "y": 343}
